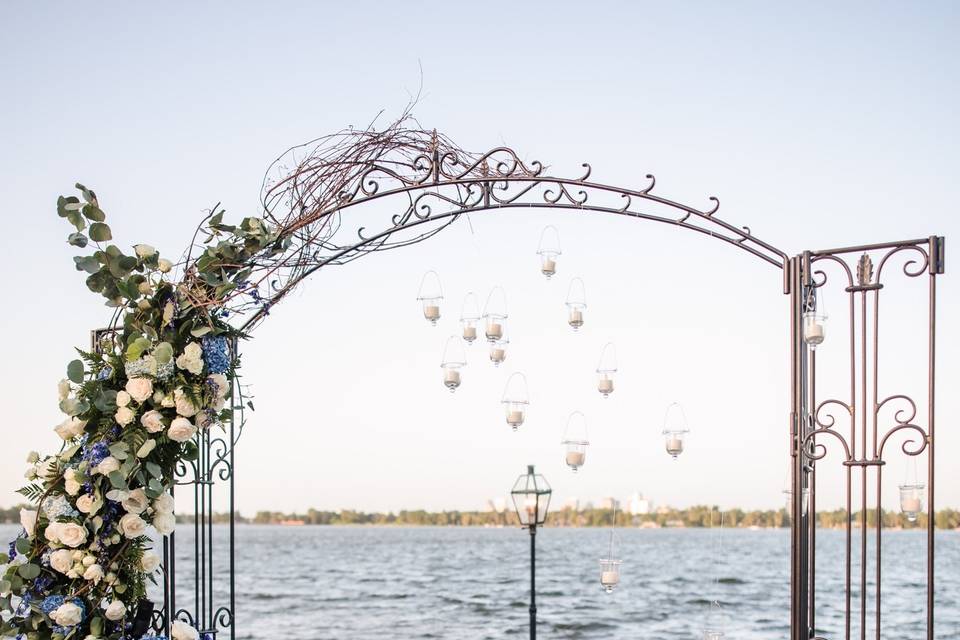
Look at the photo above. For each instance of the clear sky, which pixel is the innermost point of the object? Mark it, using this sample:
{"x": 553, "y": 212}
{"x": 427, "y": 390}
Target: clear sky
{"x": 816, "y": 126}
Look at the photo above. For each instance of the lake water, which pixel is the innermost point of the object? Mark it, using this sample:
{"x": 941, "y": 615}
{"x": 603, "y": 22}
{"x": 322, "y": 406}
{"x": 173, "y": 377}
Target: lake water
{"x": 359, "y": 583}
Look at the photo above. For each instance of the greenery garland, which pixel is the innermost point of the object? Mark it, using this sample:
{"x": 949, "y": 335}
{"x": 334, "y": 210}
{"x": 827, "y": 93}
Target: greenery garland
{"x": 135, "y": 408}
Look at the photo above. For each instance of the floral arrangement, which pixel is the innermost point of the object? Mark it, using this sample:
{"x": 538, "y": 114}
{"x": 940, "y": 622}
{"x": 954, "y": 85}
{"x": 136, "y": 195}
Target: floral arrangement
{"x": 134, "y": 408}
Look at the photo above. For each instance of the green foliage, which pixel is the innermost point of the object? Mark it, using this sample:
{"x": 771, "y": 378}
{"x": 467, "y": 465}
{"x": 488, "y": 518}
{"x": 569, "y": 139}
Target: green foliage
{"x": 31, "y": 492}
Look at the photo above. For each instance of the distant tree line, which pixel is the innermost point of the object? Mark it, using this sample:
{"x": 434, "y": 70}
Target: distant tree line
{"x": 698, "y": 516}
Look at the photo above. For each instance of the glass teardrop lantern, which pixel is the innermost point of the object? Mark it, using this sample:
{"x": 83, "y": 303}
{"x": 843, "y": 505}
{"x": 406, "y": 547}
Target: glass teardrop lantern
{"x": 606, "y": 369}
{"x": 576, "y": 303}
{"x": 814, "y": 322}
{"x": 430, "y": 296}
{"x": 675, "y": 429}
{"x": 454, "y": 359}
{"x": 469, "y": 317}
{"x": 495, "y": 315}
{"x": 575, "y": 441}
{"x": 610, "y": 565}
{"x": 498, "y": 351}
{"x": 549, "y": 250}
{"x": 516, "y": 399}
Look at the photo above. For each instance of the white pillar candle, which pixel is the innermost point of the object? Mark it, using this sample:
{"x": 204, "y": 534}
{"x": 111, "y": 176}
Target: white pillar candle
{"x": 549, "y": 267}
{"x": 515, "y": 418}
{"x": 498, "y": 355}
{"x": 911, "y": 505}
{"x": 674, "y": 445}
{"x": 813, "y": 332}
{"x": 576, "y": 458}
{"x": 451, "y": 377}
{"x": 494, "y": 331}
{"x": 605, "y": 386}
{"x": 431, "y": 312}
{"x": 576, "y": 318}
{"x": 469, "y": 333}
{"x": 610, "y": 578}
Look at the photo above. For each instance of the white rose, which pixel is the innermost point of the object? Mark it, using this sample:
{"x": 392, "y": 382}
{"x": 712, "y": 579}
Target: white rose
{"x": 70, "y": 534}
{"x": 72, "y": 487}
{"x": 184, "y": 406}
{"x": 67, "y": 615}
{"x": 180, "y": 630}
{"x": 63, "y": 389}
{"x": 123, "y": 398}
{"x": 181, "y": 430}
{"x": 164, "y": 523}
{"x": 132, "y": 525}
{"x": 135, "y": 501}
{"x": 139, "y": 388}
{"x": 164, "y": 503}
{"x": 223, "y": 385}
{"x": 85, "y": 503}
{"x": 164, "y": 265}
{"x": 108, "y": 465}
{"x": 149, "y": 562}
{"x": 124, "y": 416}
{"x": 62, "y": 560}
{"x": 94, "y": 573}
{"x": 146, "y": 448}
{"x": 192, "y": 358}
{"x": 168, "y": 401}
{"x": 152, "y": 421}
{"x": 52, "y": 532}
{"x": 28, "y": 520}
{"x": 70, "y": 428}
{"x": 142, "y": 251}
{"x": 116, "y": 610}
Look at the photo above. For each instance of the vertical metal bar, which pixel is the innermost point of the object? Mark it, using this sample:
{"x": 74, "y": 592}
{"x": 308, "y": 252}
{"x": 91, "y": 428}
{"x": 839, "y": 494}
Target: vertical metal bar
{"x": 863, "y": 470}
{"x": 878, "y": 538}
{"x": 167, "y": 575}
{"x": 874, "y": 419}
{"x": 197, "y": 529}
{"x": 233, "y": 441}
{"x": 853, "y": 453}
{"x": 533, "y": 582}
{"x": 794, "y": 382}
{"x": 211, "y": 461}
{"x": 813, "y": 502}
{"x": 931, "y": 419}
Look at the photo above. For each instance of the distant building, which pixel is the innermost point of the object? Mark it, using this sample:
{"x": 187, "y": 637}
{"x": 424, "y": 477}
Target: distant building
{"x": 608, "y": 503}
{"x": 637, "y": 505}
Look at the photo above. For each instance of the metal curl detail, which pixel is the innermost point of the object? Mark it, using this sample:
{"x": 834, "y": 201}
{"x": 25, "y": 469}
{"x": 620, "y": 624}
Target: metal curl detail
{"x": 223, "y": 618}
{"x": 716, "y": 206}
{"x": 818, "y": 451}
{"x": 586, "y": 175}
{"x": 897, "y": 415}
{"x": 906, "y": 266}
{"x": 901, "y": 427}
{"x": 220, "y": 452}
{"x": 649, "y": 187}
{"x": 832, "y": 258}
{"x": 833, "y": 420}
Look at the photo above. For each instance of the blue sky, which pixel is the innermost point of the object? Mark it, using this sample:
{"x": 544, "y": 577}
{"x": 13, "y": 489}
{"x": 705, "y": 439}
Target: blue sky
{"x": 817, "y": 126}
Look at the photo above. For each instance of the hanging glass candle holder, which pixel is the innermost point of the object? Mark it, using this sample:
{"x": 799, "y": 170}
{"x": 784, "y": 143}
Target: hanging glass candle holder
{"x": 454, "y": 359}
{"x": 804, "y": 505}
{"x": 675, "y": 429}
{"x": 515, "y": 400}
{"x": 606, "y": 369}
{"x": 549, "y": 250}
{"x": 610, "y": 565}
{"x": 713, "y": 629}
{"x": 498, "y": 351}
{"x": 575, "y": 440}
{"x": 814, "y": 323}
{"x": 576, "y": 303}
{"x": 495, "y": 315}
{"x": 430, "y": 296}
{"x": 469, "y": 317}
{"x": 911, "y": 500}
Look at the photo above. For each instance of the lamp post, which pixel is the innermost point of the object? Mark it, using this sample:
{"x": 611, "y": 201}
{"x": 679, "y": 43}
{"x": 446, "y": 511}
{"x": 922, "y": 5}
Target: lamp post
{"x": 531, "y": 499}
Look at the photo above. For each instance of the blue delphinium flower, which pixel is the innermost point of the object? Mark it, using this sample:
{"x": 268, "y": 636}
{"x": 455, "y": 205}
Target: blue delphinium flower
{"x": 51, "y": 604}
{"x": 12, "y": 551}
{"x": 95, "y": 454}
{"x": 215, "y": 354}
{"x": 105, "y": 373}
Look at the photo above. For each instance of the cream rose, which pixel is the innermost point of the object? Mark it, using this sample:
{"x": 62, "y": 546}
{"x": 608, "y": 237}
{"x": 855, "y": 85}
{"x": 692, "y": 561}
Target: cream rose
{"x": 143, "y": 251}
{"x": 152, "y": 421}
{"x": 70, "y": 534}
{"x": 71, "y": 486}
{"x": 94, "y": 573}
{"x": 150, "y": 562}
{"x": 180, "y": 630}
{"x": 181, "y": 430}
{"x": 67, "y": 615}
{"x": 132, "y": 525}
{"x": 164, "y": 265}
{"x": 123, "y": 398}
{"x": 116, "y": 610}
{"x": 139, "y": 389}
{"x": 146, "y": 448}
{"x": 63, "y": 389}
{"x": 164, "y": 523}
{"x": 70, "y": 428}
{"x": 184, "y": 405}
{"x": 108, "y": 465}
{"x": 85, "y": 503}
{"x": 191, "y": 359}
{"x": 124, "y": 416}
{"x": 62, "y": 560}
{"x": 28, "y": 520}
{"x": 135, "y": 501}
{"x": 164, "y": 503}
{"x": 220, "y": 380}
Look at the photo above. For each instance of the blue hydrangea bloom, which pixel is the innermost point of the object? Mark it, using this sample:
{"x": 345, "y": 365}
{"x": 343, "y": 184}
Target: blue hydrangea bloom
{"x": 215, "y": 354}
{"x": 105, "y": 373}
{"x": 51, "y": 604}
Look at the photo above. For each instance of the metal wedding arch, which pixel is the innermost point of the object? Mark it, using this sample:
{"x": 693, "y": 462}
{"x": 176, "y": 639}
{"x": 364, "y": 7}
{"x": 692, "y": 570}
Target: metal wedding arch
{"x": 324, "y": 198}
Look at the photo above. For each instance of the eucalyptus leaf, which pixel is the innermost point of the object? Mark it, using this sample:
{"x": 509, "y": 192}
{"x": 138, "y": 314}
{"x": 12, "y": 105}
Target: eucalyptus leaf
{"x": 106, "y": 402}
{"x": 96, "y": 627}
{"x": 77, "y": 240}
{"x": 16, "y": 583}
{"x": 154, "y": 469}
{"x": 4, "y": 558}
{"x": 23, "y": 546}
{"x": 100, "y": 232}
{"x": 93, "y": 212}
{"x": 86, "y": 263}
{"x": 163, "y": 352}
{"x": 5, "y": 585}
{"x": 200, "y": 331}
{"x": 117, "y": 480}
{"x": 75, "y": 371}
{"x": 29, "y": 571}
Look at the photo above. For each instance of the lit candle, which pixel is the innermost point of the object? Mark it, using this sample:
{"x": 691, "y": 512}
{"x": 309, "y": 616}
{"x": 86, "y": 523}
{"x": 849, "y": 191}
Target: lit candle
{"x": 515, "y": 418}
{"x": 431, "y": 312}
{"x": 494, "y": 331}
{"x": 549, "y": 267}
{"x": 674, "y": 445}
{"x": 576, "y": 318}
{"x": 498, "y": 354}
{"x": 469, "y": 333}
{"x": 575, "y": 459}
{"x": 605, "y": 386}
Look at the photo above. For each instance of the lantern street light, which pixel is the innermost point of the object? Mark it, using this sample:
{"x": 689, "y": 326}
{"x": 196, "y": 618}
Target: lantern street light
{"x": 531, "y": 499}
{"x": 430, "y": 295}
{"x": 548, "y": 250}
